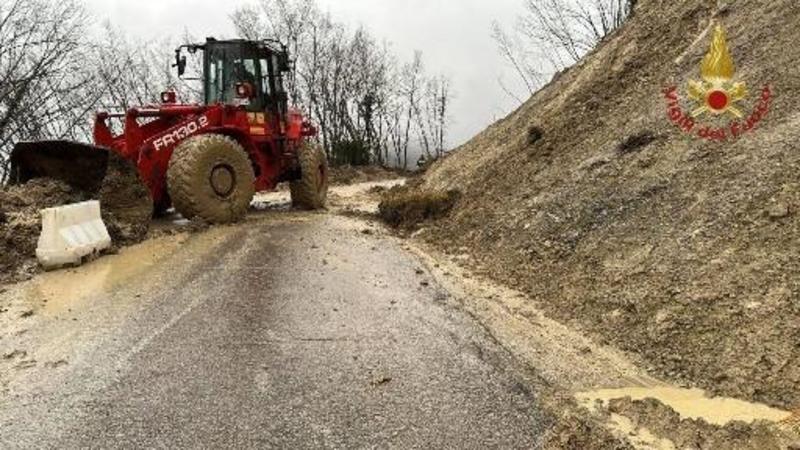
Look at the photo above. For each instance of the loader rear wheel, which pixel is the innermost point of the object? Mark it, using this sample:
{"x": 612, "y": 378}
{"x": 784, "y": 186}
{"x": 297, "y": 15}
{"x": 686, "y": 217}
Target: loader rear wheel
{"x": 210, "y": 177}
{"x": 311, "y": 190}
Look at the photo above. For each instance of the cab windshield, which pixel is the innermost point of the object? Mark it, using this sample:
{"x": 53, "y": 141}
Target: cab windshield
{"x": 227, "y": 65}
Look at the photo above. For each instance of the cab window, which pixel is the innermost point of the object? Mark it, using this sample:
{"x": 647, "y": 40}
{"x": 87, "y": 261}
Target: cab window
{"x": 228, "y": 65}
{"x": 265, "y": 88}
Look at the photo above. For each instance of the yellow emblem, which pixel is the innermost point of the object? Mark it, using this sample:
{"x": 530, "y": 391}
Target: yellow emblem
{"x": 717, "y": 93}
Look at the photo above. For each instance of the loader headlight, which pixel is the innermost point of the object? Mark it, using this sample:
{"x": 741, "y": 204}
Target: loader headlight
{"x": 168, "y": 97}
{"x": 244, "y": 90}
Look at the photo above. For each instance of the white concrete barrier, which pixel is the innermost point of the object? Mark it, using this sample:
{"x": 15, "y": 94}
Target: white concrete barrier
{"x": 71, "y": 232}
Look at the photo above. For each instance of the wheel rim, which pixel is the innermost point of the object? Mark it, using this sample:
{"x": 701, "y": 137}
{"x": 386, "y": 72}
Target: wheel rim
{"x": 223, "y": 180}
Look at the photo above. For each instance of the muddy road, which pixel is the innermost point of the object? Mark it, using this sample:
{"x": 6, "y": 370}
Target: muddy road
{"x": 326, "y": 330}
{"x": 292, "y": 330}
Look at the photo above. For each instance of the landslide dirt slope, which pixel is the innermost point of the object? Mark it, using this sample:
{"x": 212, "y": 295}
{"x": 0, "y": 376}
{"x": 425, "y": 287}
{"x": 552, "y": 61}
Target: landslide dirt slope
{"x": 682, "y": 250}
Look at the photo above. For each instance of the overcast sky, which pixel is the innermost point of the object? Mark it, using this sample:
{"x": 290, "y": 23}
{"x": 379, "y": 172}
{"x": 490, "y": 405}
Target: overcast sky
{"x": 454, "y": 36}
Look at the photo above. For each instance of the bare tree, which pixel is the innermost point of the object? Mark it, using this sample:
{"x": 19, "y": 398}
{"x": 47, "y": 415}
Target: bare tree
{"x": 131, "y": 72}
{"x": 285, "y": 20}
{"x": 514, "y": 52}
{"x": 411, "y": 85}
{"x": 54, "y": 74}
{"x": 434, "y": 114}
{"x": 567, "y": 30}
{"x": 45, "y": 88}
{"x": 367, "y": 104}
{"x": 554, "y": 34}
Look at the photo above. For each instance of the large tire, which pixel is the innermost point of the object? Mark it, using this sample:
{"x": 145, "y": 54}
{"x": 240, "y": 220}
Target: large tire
{"x": 310, "y": 191}
{"x": 210, "y": 177}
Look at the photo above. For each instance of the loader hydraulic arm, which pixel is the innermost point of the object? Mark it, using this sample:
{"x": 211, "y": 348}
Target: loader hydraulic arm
{"x": 133, "y": 132}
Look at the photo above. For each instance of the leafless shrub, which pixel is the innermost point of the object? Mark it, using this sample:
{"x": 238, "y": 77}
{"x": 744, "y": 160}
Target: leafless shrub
{"x": 406, "y": 207}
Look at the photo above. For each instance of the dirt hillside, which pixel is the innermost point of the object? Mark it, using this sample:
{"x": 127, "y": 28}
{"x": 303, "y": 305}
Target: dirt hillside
{"x": 681, "y": 249}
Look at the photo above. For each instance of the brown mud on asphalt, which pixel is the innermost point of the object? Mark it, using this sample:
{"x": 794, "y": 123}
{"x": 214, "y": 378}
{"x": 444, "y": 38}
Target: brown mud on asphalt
{"x": 583, "y": 377}
{"x": 68, "y": 296}
{"x": 563, "y": 355}
{"x": 643, "y": 419}
{"x": 53, "y": 293}
{"x": 673, "y": 418}
{"x": 20, "y": 223}
{"x": 67, "y": 291}
{"x": 586, "y": 380}
{"x": 361, "y": 199}
{"x": 690, "y": 404}
{"x": 601, "y": 378}
{"x": 129, "y": 216}
{"x": 56, "y": 292}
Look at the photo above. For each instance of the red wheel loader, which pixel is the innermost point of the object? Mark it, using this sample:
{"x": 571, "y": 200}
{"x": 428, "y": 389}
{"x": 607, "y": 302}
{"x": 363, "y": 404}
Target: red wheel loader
{"x": 207, "y": 160}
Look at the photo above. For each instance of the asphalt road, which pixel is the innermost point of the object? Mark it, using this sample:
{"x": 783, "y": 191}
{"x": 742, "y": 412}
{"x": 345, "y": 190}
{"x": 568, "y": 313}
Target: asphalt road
{"x": 290, "y": 331}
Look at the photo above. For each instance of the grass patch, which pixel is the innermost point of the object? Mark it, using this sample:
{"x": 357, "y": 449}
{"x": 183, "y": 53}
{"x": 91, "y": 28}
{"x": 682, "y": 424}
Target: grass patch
{"x": 404, "y": 207}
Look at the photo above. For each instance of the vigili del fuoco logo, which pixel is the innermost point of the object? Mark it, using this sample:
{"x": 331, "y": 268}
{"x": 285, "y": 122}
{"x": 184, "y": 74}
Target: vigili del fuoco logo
{"x": 717, "y": 113}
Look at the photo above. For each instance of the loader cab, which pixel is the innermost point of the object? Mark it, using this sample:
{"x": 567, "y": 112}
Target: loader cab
{"x": 244, "y": 73}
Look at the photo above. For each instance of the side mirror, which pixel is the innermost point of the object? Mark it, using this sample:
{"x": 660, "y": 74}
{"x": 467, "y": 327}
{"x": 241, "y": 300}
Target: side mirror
{"x": 180, "y": 63}
{"x": 284, "y": 65}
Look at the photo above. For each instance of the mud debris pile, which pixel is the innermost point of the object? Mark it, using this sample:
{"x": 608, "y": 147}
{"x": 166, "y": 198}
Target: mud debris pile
{"x": 125, "y": 202}
{"x": 406, "y": 208}
{"x": 20, "y": 222}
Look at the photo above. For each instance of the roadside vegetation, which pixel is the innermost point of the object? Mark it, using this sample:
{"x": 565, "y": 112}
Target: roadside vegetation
{"x": 407, "y": 208}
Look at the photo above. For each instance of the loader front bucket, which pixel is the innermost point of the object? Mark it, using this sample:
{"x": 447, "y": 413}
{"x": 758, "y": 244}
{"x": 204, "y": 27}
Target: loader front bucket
{"x": 99, "y": 173}
{"x": 82, "y": 166}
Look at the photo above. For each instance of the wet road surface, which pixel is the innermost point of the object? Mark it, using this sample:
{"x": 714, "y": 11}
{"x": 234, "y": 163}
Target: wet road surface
{"x": 290, "y": 331}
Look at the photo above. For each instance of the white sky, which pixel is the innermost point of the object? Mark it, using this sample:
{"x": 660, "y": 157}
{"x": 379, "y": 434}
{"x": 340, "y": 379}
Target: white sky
{"x": 454, "y": 36}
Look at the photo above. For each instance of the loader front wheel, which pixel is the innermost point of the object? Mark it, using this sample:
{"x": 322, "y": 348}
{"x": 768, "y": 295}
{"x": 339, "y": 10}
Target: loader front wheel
{"x": 210, "y": 177}
{"x": 310, "y": 191}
